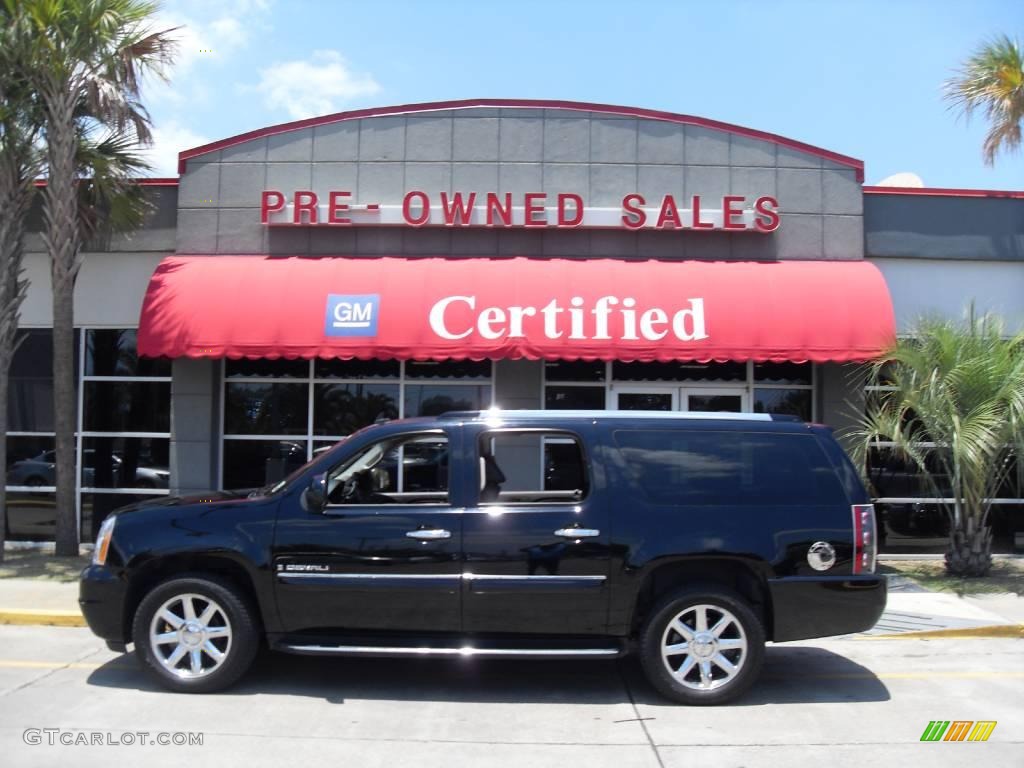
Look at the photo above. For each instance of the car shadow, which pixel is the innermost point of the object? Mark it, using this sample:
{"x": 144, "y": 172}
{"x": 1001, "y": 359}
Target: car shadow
{"x": 791, "y": 675}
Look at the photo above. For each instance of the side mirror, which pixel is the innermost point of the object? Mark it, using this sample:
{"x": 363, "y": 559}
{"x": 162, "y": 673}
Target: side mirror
{"x": 314, "y": 498}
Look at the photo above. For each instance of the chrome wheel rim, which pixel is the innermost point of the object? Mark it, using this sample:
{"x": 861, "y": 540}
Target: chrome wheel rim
{"x": 704, "y": 647}
{"x": 190, "y": 636}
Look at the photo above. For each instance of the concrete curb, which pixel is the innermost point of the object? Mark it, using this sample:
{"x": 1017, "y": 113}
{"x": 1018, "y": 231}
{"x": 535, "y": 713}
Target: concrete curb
{"x": 1011, "y": 631}
{"x": 50, "y": 618}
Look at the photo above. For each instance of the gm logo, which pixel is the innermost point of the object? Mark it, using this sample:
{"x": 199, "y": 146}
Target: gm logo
{"x": 352, "y": 315}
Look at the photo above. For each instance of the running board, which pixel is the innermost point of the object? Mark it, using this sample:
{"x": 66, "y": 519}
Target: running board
{"x": 463, "y": 651}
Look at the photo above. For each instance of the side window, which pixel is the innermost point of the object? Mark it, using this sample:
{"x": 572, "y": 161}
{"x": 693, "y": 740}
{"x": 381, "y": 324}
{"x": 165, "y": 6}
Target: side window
{"x": 531, "y": 467}
{"x": 406, "y": 469}
{"x": 729, "y": 468}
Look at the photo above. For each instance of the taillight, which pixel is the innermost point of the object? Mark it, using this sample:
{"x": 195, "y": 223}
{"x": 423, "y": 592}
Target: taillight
{"x": 865, "y": 539}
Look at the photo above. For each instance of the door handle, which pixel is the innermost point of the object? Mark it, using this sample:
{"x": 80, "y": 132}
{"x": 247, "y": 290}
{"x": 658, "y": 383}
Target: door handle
{"x": 577, "y": 533}
{"x": 429, "y": 534}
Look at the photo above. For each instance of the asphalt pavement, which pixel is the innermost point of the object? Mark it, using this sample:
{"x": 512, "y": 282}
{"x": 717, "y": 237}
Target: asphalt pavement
{"x": 839, "y": 703}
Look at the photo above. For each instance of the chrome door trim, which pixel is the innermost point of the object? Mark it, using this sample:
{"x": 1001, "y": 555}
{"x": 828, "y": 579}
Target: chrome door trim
{"x": 369, "y": 576}
{"x": 535, "y": 577}
{"x": 371, "y": 650}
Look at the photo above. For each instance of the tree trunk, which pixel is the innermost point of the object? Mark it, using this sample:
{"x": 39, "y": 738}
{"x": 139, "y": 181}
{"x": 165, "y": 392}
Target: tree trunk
{"x": 4, "y": 381}
{"x": 15, "y": 196}
{"x": 970, "y": 549}
{"x": 62, "y": 243}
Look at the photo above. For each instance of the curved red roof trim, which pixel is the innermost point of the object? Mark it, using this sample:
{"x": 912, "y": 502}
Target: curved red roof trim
{"x": 944, "y": 192}
{"x": 148, "y": 181}
{"x": 582, "y": 106}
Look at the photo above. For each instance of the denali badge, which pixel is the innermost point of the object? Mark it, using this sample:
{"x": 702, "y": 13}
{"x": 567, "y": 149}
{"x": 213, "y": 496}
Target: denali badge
{"x": 821, "y": 556}
{"x": 299, "y": 567}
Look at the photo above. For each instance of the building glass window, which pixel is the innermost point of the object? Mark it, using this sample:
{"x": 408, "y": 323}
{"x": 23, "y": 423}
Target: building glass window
{"x": 682, "y": 371}
{"x": 122, "y": 440}
{"x": 124, "y": 426}
{"x": 272, "y": 424}
{"x": 782, "y": 388}
{"x": 784, "y": 400}
{"x": 909, "y": 517}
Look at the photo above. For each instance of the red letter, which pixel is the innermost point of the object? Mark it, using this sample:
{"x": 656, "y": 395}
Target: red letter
{"x": 267, "y": 207}
{"x": 634, "y": 217}
{"x": 334, "y": 207}
{"x": 424, "y": 216}
{"x": 767, "y": 219}
{"x": 669, "y": 213}
{"x": 728, "y": 211}
{"x": 577, "y": 201}
{"x": 530, "y": 202}
{"x": 697, "y": 223}
{"x": 495, "y": 209}
{"x": 301, "y": 207}
{"x": 455, "y": 212}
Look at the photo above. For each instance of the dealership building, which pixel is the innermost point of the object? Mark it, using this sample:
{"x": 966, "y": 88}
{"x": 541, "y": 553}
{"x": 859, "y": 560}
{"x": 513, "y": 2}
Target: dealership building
{"x": 301, "y": 281}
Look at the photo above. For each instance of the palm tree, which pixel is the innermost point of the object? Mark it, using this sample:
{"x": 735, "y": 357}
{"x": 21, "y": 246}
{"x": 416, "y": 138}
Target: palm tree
{"x": 86, "y": 64}
{"x": 953, "y": 407}
{"x": 19, "y": 165}
{"x": 992, "y": 80}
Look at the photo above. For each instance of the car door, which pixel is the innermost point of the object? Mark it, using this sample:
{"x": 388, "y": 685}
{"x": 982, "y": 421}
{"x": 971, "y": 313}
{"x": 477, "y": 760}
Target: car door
{"x": 535, "y": 535}
{"x": 384, "y": 553}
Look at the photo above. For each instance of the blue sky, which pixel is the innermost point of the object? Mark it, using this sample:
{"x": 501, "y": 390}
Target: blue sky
{"x": 860, "y": 78}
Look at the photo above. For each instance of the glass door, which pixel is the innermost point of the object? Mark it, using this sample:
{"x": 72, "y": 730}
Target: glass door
{"x": 647, "y": 398}
{"x": 714, "y": 399}
{"x": 672, "y": 398}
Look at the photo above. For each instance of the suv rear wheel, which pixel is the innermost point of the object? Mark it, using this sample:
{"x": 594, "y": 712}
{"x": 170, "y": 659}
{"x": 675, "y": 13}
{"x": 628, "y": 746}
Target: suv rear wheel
{"x": 195, "y": 634}
{"x": 702, "y": 646}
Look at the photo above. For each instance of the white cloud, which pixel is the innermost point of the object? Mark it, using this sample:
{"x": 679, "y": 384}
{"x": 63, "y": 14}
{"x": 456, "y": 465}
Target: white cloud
{"x": 168, "y": 140}
{"x": 315, "y": 86}
{"x": 228, "y": 32}
{"x": 204, "y": 34}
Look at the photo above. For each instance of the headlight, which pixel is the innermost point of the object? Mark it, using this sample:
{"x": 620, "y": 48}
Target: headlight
{"x": 99, "y": 554}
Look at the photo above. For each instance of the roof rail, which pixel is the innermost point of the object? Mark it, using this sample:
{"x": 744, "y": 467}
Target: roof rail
{"x": 497, "y": 414}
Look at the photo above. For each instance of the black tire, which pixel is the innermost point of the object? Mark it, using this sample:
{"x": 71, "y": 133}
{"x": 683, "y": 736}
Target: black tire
{"x": 747, "y": 626}
{"x": 235, "y": 612}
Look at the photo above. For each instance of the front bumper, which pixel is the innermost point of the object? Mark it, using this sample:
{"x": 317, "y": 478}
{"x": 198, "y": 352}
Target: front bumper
{"x": 823, "y": 606}
{"x": 101, "y": 596}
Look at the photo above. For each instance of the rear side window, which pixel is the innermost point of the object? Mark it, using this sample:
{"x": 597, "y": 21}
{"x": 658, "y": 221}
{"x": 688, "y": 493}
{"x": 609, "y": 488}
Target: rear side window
{"x": 531, "y": 467}
{"x": 729, "y": 468}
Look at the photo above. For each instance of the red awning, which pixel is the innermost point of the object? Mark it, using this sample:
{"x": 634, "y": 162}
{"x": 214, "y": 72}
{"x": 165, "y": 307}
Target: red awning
{"x": 435, "y": 308}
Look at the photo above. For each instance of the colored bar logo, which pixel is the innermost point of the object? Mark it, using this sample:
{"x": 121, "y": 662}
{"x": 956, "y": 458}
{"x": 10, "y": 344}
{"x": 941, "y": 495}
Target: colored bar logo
{"x": 958, "y": 730}
{"x": 352, "y": 315}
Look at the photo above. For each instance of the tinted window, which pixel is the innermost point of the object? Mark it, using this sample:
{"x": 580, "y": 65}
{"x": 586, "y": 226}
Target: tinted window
{"x": 679, "y": 371}
{"x": 530, "y": 467}
{"x": 113, "y": 353}
{"x": 568, "y": 398}
{"x": 399, "y": 470}
{"x": 127, "y": 406}
{"x": 728, "y": 468}
{"x": 30, "y": 398}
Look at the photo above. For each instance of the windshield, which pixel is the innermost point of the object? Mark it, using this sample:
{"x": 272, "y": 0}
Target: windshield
{"x": 278, "y": 486}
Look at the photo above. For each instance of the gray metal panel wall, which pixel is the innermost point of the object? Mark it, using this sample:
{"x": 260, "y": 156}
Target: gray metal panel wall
{"x": 601, "y": 157}
{"x": 944, "y": 227}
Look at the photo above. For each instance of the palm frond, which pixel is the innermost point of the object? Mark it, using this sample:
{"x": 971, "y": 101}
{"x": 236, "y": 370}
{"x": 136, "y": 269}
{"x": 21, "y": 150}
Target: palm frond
{"x": 992, "y": 81}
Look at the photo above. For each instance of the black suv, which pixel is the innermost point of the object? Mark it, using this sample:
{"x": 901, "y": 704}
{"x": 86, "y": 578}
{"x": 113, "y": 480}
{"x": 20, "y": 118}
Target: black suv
{"x": 690, "y": 539}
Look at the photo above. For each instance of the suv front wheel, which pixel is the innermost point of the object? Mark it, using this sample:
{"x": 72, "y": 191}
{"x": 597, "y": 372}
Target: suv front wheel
{"x": 195, "y": 634}
{"x": 702, "y": 646}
